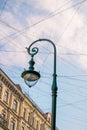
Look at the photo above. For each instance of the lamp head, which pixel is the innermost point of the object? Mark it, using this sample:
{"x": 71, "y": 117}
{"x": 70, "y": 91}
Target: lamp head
{"x": 30, "y": 76}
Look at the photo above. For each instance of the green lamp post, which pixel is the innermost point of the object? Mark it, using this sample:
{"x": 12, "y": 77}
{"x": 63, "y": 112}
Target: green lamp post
{"x": 31, "y": 77}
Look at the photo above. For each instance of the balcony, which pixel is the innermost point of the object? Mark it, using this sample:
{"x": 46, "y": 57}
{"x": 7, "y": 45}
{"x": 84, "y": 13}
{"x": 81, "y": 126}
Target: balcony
{"x": 3, "y": 123}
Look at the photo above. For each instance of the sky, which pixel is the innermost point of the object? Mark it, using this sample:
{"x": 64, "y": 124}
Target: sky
{"x": 63, "y": 22}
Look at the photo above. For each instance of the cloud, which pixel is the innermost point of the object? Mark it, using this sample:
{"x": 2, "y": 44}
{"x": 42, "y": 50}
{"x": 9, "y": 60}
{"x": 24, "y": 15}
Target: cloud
{"x": 53, "y": 20}
{"x": 66, "y": 28}
{"x": 50, "y": 5}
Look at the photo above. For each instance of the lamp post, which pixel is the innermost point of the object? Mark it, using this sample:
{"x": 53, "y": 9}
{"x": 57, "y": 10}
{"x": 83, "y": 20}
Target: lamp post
{"x": 31, "y": 77}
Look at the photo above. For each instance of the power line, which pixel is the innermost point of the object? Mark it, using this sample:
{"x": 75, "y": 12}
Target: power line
{"x": 68, "y": 62}
{"x": 70, "y": 21}
{"x": 72, "y": 103}
{"x": 17, "y": 30}
{"x": 47, "y": 17}
{"x": 3, "y": 8}
{"x": 8, "y": 51}
{"x": 69, "y": 54}
{"x": 10, "y": 26}
{"x": 75, "y": 79}
{"x": 54, "y": 14}
{"x": 74, "y": 54}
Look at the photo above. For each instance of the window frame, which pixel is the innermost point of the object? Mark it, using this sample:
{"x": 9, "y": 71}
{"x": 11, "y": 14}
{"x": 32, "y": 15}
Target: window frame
{"x": 12, "y": 125}
{"x": 6, "y": 96}
{"x": 24, "y": 113}
{"x": 0, "y": 91}
{"x": 15, "y": 105}
{"x": 31, "y": 118}
{"x": 22, "y": 128}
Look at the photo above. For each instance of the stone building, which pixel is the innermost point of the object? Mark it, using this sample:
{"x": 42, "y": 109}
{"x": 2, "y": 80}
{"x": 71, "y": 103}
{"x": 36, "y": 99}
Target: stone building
{"x": 17, "y": 110}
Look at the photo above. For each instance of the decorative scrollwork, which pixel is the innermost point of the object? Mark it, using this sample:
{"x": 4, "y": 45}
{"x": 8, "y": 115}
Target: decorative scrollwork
{"x": 32, "y": 51}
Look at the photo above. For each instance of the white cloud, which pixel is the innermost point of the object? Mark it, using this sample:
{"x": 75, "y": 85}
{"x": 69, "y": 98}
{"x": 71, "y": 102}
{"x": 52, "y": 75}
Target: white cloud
{"x": 50, "y": 5}
{"x": 67, "y": 29}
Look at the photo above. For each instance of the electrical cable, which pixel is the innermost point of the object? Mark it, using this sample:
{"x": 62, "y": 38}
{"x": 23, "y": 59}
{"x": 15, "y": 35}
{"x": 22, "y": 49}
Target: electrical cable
{"x": 22, "y": 31}
{"x": 5, "y": 3}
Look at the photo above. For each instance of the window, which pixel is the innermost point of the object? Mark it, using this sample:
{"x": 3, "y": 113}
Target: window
{"x": 6, "y": 96}
{"x": 36, "y": 124}
{"x": 0, "y": 90}
{"x": 31, "y": 118}
{"x": 15, "y": 105}
{"x": 42, "y": 127}
{"x": 3, "y": 115}
{"x": 24, "y": 113}
{"x": 12, "y": 126}
{"x": 28, "y": 117}
{"x": 22, "y": 128}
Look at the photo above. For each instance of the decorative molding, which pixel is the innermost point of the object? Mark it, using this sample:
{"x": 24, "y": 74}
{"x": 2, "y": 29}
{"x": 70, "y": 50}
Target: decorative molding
{"x": 6, "y": 81}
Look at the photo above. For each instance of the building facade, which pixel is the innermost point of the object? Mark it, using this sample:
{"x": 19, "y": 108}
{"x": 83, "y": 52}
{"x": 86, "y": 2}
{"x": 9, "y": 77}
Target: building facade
{"x": 17, "y": 110}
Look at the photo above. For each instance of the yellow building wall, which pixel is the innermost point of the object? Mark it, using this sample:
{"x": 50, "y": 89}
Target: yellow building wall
{"x": 27, "y": 115}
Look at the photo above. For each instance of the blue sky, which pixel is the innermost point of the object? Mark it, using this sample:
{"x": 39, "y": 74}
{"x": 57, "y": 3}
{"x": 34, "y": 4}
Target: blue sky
{"x": 65, "y": 23}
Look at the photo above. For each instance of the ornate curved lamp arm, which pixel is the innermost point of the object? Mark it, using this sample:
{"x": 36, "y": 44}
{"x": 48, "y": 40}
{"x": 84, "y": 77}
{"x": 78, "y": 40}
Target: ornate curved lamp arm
{"x": 35, "y": 50}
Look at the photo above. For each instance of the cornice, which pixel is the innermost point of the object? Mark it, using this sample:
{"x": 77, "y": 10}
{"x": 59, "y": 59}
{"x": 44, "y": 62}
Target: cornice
{"x": 9, "y": 84}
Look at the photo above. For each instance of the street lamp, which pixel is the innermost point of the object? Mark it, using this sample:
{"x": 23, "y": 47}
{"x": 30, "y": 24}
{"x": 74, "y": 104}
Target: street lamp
{"x": 31, "y": 77}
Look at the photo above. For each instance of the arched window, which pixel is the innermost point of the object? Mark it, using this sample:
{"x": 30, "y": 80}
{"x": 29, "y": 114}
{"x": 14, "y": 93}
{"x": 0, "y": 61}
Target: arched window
{"x": 22, "y": 128}
{"x": 4, "y": 114}
{"x": 15, "y": 105}
{"x": 37, "y": 125}
{"x": 12, "y": 125}
{"x": 31, "y": 118}
{"x": 0, "y": 90}
{"x": 6, "y": 96}
{"x": 24, "y": 113}
{"x": 4, "y": 117}
{"x": 42, "y": 126}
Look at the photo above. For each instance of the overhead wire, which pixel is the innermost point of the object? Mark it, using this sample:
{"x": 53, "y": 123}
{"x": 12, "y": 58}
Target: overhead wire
{"x": 73, "y": 103}
{"x": 77, "y": 118}
{"x": 5, "y": 3}
{"x": 12, "y": 51}
{"x": 23, "y": 30}
{"x": 10, "y": 26}
{"x": 75, "y": 79}
{"x": 72, "y": 84}
{"x": 69, "y": 23}
{"x": 68, "y": 62}
{"x": 68, "y": 26}
{"x": 70, "y": 77}
{"x": 54, "y": 14}
{"x": 74, "y": 54}
{"x": 72, "y": 88}
{"x": 74, "y": 121}
{"x": 69, "y": 54}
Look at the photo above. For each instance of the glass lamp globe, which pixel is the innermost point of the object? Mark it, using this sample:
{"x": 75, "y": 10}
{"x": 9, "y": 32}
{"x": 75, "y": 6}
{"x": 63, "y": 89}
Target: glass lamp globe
{"x": 30, "y": 77}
